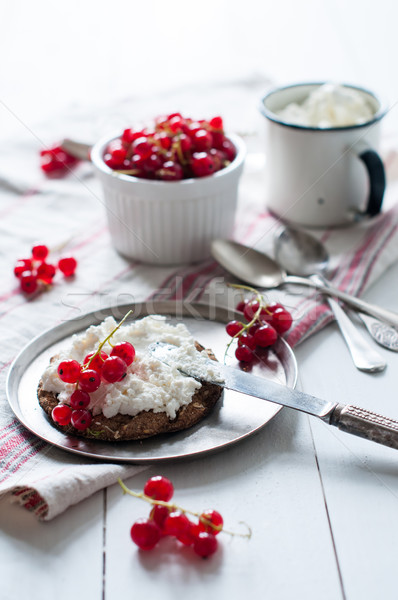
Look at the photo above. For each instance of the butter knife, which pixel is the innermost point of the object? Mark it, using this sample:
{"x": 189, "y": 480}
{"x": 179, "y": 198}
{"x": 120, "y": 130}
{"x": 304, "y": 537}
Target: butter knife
{"x": 351, "y": 419}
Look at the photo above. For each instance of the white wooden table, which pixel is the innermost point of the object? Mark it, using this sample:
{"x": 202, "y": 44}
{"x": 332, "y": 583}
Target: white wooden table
{"x": 323, "y": 505}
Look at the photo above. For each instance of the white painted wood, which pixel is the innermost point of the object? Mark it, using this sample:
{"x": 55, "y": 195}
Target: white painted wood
{"x": 360, "y": 478}
{"x": 56, "y": 560}
{"x": 272, "y": 483}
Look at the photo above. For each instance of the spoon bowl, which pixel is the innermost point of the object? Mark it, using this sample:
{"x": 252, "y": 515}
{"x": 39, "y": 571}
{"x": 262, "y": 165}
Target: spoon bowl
{"x": 261, "y": 271}
{"x": 300, "y": 253}
{"x": 247, "y": 264}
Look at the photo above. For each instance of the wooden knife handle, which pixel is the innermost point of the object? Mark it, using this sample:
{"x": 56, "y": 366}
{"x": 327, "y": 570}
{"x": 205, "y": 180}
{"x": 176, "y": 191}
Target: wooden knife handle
{"x": 366, "y": 424}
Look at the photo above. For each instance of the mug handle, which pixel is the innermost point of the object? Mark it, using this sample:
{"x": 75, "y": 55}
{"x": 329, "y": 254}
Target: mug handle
{"x": 377, "y": 180}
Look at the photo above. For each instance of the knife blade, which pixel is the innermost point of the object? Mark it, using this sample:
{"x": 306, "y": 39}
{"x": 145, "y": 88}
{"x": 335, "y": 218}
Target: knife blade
{"x": 351, "y": 419}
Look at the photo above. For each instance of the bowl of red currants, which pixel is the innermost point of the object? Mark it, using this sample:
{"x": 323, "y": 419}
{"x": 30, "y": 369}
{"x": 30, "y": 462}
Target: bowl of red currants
{"x": 171, "y": 188}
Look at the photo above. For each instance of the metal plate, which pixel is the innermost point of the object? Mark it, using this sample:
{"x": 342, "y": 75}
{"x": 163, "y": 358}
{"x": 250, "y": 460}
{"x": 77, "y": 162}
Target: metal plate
{"x": 236, "y": 416}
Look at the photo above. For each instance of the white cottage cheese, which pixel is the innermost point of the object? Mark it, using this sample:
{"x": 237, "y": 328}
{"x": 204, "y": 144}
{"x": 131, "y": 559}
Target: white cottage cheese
{"x": 330, "y": 105}
{"x": 149, "y": 384}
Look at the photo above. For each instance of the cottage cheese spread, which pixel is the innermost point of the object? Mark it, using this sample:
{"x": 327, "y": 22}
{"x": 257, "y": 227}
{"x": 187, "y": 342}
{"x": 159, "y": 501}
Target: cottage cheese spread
{"x": 149, "y": 384}
{"x": 330, "y": 105}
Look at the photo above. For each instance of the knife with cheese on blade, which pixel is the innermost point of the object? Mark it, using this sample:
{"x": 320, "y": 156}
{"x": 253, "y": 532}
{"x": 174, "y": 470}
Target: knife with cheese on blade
{"x": 351, "y": 419}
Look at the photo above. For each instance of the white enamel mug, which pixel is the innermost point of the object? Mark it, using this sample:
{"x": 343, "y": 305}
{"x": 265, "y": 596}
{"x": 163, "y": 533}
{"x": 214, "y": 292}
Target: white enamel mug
{"x": 322, "y": 177}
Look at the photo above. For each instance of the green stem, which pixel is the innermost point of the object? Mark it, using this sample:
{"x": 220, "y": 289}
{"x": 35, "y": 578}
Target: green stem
{"x": 172, "y": 506}
{"x": 261, "y": 306}
{"x": 102, "y": 344}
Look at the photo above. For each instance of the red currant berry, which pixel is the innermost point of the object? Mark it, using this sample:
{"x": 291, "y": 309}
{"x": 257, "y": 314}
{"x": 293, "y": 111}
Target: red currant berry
{"x": 125, "y": 351}
{"x": 153, "y": 163}
{"x": 114, "y": 369}
{"x": 247, "y": 340}
{"x": 61, "y": 414}
{"x": 274, "y": 306}
{"x": 142, "y": 147}
{"x": 110, "y": 161}
{"x": 145, "y": 533}
{"x": 202, "y": 164}
{"x": 81, "y": 419}
{"x": 46, "y": 272}
{"x": 163, "y": 139}
{"x": 89, "y": 380}
{"x": 233, "y": 328}
{"x": 250, "y": 310}
{"x": 79, "y": 399}
{"x": 254, "y": 328}
{"x": 159, "y": 488}
{"x": 159, "y": 514}
{"x": 39, "y": 252}
{"x": 188, "y": 536}
{"x": 185, "y": 142}
{"x": 176, "y": 523}
{"x": 244, "y": 354}
{"x": 119, "y": 155}
{"x": 22, "y": 264}
{"x": 170, "y": 171}
{"x": 211, "y": 518}
{"x": 67, "y": 266}
{"x": 265, "y": 335}
{"x": 281, "y": 320}
{"x": 240, "y": 307}
{"x": 202, "y": 140}
{"x": 229, "y": 149}
{"x": 205, "y": 544}
{"x": 69, "y": 371}
{"x": 28, "y": 282}
{"x": 97, "y": 362}
{"x": 175, "y": 123}
{"x": 216, "y": 123}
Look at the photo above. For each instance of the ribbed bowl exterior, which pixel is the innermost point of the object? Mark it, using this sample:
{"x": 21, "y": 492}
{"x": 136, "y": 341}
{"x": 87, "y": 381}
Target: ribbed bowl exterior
{"x": 169, "y": 222}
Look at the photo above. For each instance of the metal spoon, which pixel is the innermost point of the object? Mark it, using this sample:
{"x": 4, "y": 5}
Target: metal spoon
{"x": 260, "y": 270}
{"x": 302, "y": 254}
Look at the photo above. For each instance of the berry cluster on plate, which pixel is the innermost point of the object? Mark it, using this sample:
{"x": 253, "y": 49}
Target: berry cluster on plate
{"x": 87, "y": 377}
{"x": 264, "y": 322}
{"x": 174, "y": 148}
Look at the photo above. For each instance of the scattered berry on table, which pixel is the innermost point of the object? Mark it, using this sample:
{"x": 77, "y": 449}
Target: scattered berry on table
{"x": 159, "y": 488}
{"x": 36, "y": 273}
{"x": 67, "y": 266}
{"x": 55, "y": 162}
{"x": 168, "y": 519}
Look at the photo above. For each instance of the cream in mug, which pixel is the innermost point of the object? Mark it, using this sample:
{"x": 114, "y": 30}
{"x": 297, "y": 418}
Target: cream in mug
{"x": 329, "y": 105}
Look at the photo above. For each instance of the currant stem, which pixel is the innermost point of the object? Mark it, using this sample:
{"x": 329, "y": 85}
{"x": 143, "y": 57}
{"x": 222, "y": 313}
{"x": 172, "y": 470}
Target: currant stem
{"x": 261, "y": 306}
{"x": 102, "y": 344}
{"x": 173, "y": 506}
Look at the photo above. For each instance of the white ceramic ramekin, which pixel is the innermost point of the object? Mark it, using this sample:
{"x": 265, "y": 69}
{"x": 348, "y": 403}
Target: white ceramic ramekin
{"x": 169, "y": 222}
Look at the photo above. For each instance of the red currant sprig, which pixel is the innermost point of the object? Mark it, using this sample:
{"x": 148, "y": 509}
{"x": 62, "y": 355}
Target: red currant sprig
{"x": 263, "y": 324}
{"x": 55, "y": 161}
{"x": 166, "y": 518}
{"x": 96, "y": 367}
{"x": 36, "y": 272}
{"x": 175, "y": 148}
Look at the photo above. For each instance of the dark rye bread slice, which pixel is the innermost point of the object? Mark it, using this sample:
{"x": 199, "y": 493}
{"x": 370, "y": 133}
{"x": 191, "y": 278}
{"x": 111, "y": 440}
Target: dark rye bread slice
{"x": 146, "y": 423}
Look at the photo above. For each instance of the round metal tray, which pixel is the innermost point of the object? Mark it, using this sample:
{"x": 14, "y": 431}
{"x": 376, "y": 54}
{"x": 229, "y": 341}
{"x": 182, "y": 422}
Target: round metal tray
{"x": 236, "y": 416}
